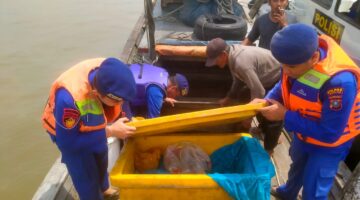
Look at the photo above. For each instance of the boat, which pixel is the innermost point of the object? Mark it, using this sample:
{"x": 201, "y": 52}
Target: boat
{"x": 155, "y": 31}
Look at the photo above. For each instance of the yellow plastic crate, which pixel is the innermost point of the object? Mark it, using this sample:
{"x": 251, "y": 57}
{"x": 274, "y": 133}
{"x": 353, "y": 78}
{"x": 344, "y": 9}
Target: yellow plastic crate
{"x": 196, "y": 119}
{"x": 168, "y": 186}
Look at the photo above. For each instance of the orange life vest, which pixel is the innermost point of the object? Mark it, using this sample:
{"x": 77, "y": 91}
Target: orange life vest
{"x": 93, "y": 116}
{"x": 309, "y": 105}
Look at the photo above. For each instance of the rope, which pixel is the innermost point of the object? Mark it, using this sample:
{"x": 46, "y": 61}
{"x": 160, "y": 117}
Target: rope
{"x": 225, "y": 7}
{"x": 203, "y": 1}
{"x": 276, "y": 172}
{"x": 167, "y": 15}
{"x": 202, "y": 29}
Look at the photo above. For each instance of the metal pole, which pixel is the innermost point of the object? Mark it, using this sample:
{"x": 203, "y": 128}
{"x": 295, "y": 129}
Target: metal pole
{"x": 254, "y": 10}
{"x": 150, "y": 29}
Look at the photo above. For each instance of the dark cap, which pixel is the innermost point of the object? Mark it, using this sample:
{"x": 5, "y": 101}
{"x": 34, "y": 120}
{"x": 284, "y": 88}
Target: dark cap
{"x": 182, "y": 83}
{"x": 294, "y": 44}
{"x": 214, "y": 48}
{"x": 115, "y": 80}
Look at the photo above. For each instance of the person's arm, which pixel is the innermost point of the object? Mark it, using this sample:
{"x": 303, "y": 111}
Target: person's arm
{"x": 275, "y": 92}
{"x": 126, "y": 108}
{"x": 232, "y": 93}
{"x": 154, "y": 97}
{"x": 253, "y": 82}
{"x": 247, "y": 42}
{"x": 235, "y": 86}
{"x": 335, "y": 111}
{"x": 67, "y": 118}
{"x": 254, "y": 34}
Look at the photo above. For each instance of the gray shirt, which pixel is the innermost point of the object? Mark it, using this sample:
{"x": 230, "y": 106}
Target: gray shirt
{"x": 255, "y": 66}
{"x": 265, "y": 29}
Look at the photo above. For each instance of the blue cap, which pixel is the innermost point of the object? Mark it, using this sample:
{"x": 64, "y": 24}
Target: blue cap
{"x": 182, "y": 84}
{"x": 294, "y": 44}
{"x": 115, "y": 80}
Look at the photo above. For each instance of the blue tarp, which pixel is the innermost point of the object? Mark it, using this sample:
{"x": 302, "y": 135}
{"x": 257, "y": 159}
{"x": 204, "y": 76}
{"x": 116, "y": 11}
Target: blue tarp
{"x": 176, "y": 42}
{"x": 243, "y": 169}
{"x": 193, "y": 9}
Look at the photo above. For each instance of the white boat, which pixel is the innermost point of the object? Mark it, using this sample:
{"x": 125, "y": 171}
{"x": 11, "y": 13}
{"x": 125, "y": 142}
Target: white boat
{"x": 57, "y": 183}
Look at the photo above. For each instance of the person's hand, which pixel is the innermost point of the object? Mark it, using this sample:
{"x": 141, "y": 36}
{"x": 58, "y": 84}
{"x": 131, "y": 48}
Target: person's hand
{"x": 224, "y": 101}
{"x": 274, "y": 112}
{"x": 170, "y": 101}
{"x": 280, "y": 17}
{"x": 119, "y": 129}
{"x": 256, "y": 100}
{"x": 246, "y": 124}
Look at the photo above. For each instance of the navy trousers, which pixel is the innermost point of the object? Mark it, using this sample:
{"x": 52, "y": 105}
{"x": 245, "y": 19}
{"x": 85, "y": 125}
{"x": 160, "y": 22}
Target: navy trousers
{"x": 314, "y": 171}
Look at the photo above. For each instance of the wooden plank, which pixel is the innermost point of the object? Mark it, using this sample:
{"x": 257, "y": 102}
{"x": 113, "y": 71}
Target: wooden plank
{"x": 282, "y": 159}
{"x": 52, "y": 183}
{"x": 351, "y": 190}
{"x": 343, "y": 173}
{"x": 134, "y": 39}
{"x": 67, "y": 191}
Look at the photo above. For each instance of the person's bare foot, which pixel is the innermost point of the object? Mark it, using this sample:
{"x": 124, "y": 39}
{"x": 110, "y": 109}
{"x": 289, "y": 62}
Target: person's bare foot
{"x": 270, "y": 152}
{"x": 111, "y": 194}
{"x": 256, "y": 133}
{"x": 274, "y": 193}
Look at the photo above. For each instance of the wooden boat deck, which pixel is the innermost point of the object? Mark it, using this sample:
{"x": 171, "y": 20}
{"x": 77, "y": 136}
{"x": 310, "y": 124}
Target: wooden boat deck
{"x": 167, "y": 25}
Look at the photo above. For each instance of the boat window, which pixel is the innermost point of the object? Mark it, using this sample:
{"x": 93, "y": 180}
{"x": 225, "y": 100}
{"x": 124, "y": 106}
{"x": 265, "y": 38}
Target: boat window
{"x": 324, "y": 3}
{"x": 349, "y": 10}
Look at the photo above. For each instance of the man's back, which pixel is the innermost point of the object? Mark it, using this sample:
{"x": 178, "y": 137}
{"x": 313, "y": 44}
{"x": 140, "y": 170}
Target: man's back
{"x": 244, "y": 58}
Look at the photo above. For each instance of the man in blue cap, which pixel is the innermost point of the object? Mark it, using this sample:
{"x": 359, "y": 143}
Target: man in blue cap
{"x": 154, "y": 86}
{"x": 82, "y": 101}
{"x": 318, "y": 100}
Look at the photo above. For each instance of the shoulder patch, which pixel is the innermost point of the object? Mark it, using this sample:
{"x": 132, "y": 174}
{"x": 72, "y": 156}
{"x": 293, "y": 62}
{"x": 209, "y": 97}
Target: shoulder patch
{"x": 70, "y": 117}
{"x": 335, "y": 98}
{"x": 184, "y": 92}
{"x": 335, "y": 92}
{"x": 335, "y": 104}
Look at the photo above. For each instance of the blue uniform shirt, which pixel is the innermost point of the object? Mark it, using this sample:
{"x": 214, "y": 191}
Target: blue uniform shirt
{"x": 72, "y": 139}
{"x": 155, "y": 98}
{"x": 333, "y": 121}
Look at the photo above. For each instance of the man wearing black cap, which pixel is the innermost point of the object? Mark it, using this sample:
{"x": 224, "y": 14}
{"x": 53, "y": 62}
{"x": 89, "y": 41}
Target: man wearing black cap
{"x": 318, "y": 99}
{"x": 254, "y": 66}
{"x": 154, "y": 86}
{"x": 82, "y": 101}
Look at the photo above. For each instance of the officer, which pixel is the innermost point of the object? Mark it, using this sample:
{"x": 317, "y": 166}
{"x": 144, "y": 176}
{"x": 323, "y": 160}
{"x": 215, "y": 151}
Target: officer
{"x": 82, "y": 101}
{"x": 154, "y": 87}
{"x": 317, "y": 99}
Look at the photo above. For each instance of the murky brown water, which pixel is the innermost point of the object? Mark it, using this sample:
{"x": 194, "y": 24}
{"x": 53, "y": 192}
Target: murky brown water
{"x": 38, "y": 40}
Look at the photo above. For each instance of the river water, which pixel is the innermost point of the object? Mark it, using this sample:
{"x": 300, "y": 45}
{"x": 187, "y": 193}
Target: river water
{"x": 39, "y": 39}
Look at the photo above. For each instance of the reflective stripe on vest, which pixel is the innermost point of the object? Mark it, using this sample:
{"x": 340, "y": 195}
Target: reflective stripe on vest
{"x": 75, "y": 81}
{"x": 303, "y": 95}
